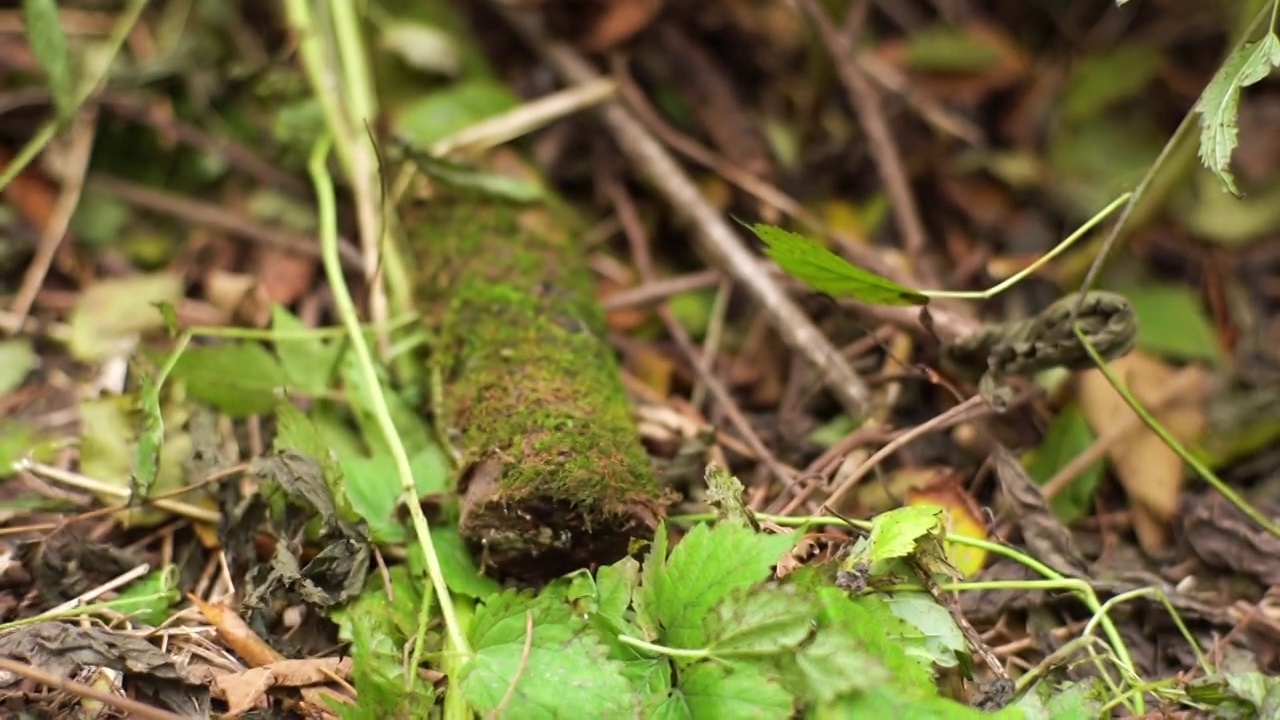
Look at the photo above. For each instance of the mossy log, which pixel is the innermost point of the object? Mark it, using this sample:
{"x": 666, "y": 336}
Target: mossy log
{"x": 553, "y": 474}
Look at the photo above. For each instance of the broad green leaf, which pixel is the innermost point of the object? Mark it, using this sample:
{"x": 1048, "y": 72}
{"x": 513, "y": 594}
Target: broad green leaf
{"x": 942, "y": 637}
{"x": 439, "y": 114}
{"x": 834, "y": 663}
{"x": 614, "y": 586}
{"x": 949, "y": 50}
{"x": 1068, "y": 436}
{"x": 409, "y": 422}
{"x": 880, "y": 633}
{"x": 715, "y": 691}
{"x": 1103, "y": 79}
{"x": 765, "y": 621}
{"x": 704, "y": 568}
{"x": 310, "y": 365}
{"x": 563, "y": 673}
{"x": 148, "y": 600}
{"x": 456, "y": 562}
{"x": 110, "y": 314}
{"x": 892, "y": 702}
{"x": 1172, "y": 322}
{"x": 829, "y": 273}
{"x": 895, "y": 534}
{"x": 1220, "y": 104}
{"x": 1077, "y": 700}
{"x": 16, "y": 440}
{"x": 421, "y": 46}
{"x": 49, "y": 45}
{"x": 238, "y": 378}
{"x": 373, "y": 487}
{"x": 17, "y": 359}
{"x": 1244, "y": 694}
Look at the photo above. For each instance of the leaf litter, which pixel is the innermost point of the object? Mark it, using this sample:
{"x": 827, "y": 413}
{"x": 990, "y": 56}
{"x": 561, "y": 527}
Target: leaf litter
{"x": 275, "y": 571}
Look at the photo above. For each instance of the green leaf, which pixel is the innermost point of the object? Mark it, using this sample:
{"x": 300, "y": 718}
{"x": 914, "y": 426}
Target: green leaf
{"x": 826, "y": 272}
{"x": 1049, "y": 700}
{"x": 715, "y": 691}
{"x": 409, "y": 422}
{"x": 17, "y": 359}
{"x": 1172, "y": 322}
{"x": 835, "y": 663}
{"x": 16, "y": 441}
{"x": 373, "y": 487}
{"x": 563, "y": 672}
{"x": 311, "y": 364}
{"x": 378, "y": 627}
{"x": 880, "y": 633}
{"x": 148, "y": 600}
{"x": 1220, "y": 104}
{"x": 49, "y": 45}
{"x": 896, "y": 534}
{"x": 705, "y": 567}
{"x": 949, "y": 50}
{"x": 942, "y": 639}
{"x": 1068, "y": 436}
{"x": 1101, "y": 80}
{"x": 614, "y": 585}
{"x": 110, "y": 314}
{"x": 765, "y": 621}
{"x": 724, "y": 493}
{"x": 456, "y": 562}
{"x": 439, "y": 114}
{"x": 146, "y": 464}
{"x": 240, "y": 379}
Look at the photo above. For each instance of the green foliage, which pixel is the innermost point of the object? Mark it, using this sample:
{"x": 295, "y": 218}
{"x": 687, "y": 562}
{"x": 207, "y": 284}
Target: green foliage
{"x": 237, "y": 378}
{"x": 49, "y": 45}
{"x": 702, "y": 631}
{"x": 703, "y": 569}
{"x": 1172, "y": 322}
{"x": 148, "y": 600}
{"x": 1239, "y": 695}
{"x": 826, "y": 272}
{"x": 378, "y": 627}
{"x": 1068, "y": 436}
{"x": 17, "y": 359}
{"x": 544, "y": 658}
{"x": 1220, "y": 103}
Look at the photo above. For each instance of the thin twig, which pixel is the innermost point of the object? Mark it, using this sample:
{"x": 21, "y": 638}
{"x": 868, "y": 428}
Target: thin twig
{"x": 214, "y": 216}
{"x": 83, "y": 131}
{"x": 132, "y": 707}
{"x": 719, "y": 241}
{"x": 883, "y": 147}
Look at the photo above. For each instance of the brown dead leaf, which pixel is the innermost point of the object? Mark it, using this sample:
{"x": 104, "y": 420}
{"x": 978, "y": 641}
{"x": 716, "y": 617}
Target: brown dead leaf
{"x": 1009, "y": 64}
{"x": 244, "y": 690}
{"x": 620, "y": 21}
{"x": 237, "y": 634}
{"x": 284, "y": 276}
{"x": 1151, "y": 472}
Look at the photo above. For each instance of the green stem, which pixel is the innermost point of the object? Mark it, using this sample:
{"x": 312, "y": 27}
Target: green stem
{"x": 1201, "y": 469}
{"x": 662, "y": 649}
{"x": 327, "y": 208}
{"x": 115, "y": 41}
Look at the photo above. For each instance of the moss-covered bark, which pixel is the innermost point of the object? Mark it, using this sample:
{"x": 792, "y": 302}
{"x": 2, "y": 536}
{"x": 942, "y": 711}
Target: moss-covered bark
{"x": 554, "y": 476}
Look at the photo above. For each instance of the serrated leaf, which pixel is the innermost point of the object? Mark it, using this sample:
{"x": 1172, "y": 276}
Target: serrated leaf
{"x": 761, "y": 622}
{"x": 942, "y": 639}
{"x": 240, "y": 379}
{"x": 1220, "y": 104}
{"x": 704, "y": 568}
{"x": 714, "y": 691}
{"x": 49, "y": 45}
{"x": 880, "y": 633}
{"x": 834, "y": 663}
{"x": 614, "y": 586}
{"x": 897, "y": 534}
{"x": 724, "y": 493}
{"x": 563, "y": 673}
{"x": 1068, "y": 436}
{"x": 17, "y": 359}
{"x": 826, "y": 272}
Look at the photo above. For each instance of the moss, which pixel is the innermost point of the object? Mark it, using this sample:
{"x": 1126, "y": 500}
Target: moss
{"x": 554, "y": 474}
